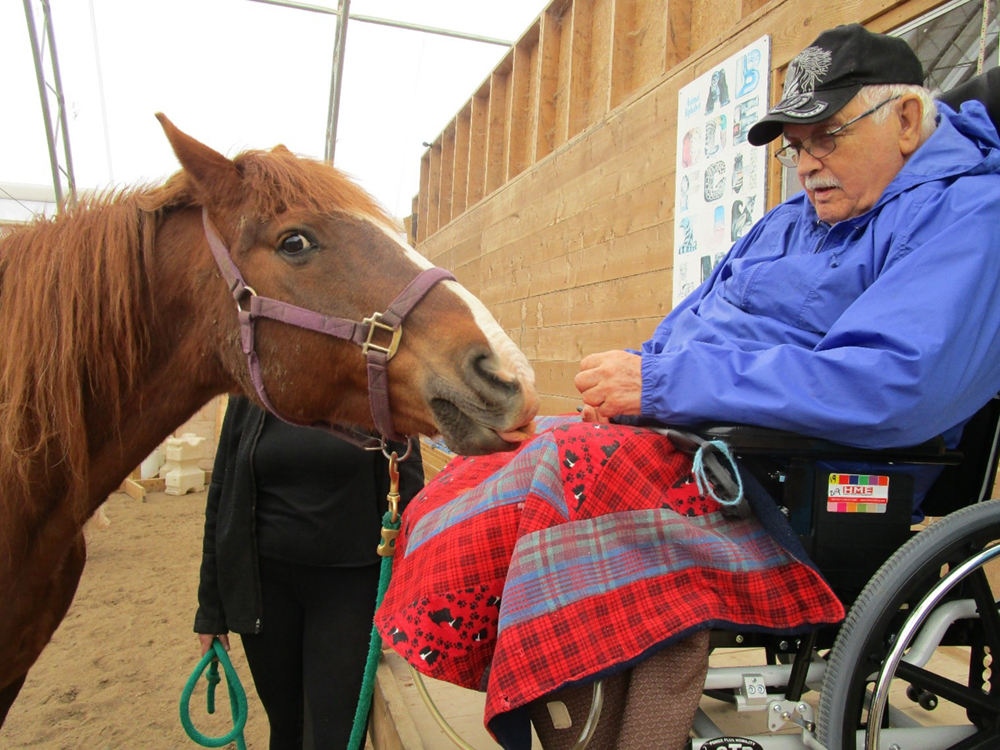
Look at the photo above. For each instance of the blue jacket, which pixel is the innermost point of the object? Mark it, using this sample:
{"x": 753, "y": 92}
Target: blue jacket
{"x": 879, "y": 331}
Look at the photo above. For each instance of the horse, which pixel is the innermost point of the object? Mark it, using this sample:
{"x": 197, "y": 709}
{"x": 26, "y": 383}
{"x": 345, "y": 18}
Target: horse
{"x": 126, "y": 314}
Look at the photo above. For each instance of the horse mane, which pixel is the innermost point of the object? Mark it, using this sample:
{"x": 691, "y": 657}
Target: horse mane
{"x": 70, "y": 289}
{"x": 276, "y": 179}
{"x": 74, "y": 297}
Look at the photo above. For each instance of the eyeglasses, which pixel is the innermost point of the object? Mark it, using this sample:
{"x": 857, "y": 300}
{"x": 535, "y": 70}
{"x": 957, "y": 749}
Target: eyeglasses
{"x": 821, "y": 145}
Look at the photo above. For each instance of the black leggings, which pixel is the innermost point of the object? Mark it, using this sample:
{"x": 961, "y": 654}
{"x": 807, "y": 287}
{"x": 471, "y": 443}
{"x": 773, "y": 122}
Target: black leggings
{"x": 315, "y": 632}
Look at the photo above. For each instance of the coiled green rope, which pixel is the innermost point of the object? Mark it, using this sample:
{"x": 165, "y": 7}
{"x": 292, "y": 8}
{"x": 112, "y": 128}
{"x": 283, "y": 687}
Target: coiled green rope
{"x": 237, "y": 698}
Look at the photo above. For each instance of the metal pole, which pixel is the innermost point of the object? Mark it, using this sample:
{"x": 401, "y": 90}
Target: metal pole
{"x": 57, "y": 81}
{"x": 389, "y": 22}
{"x": 36, "y": 53}
{"x": 337, "y": 77}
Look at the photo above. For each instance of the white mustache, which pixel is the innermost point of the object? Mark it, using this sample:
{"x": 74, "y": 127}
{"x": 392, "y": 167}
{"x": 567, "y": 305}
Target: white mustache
{"x": 814, "y": 182}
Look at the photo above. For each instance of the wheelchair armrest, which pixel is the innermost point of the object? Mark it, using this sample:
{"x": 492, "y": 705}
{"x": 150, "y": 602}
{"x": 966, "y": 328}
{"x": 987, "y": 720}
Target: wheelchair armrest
{"x": 751, "y": 440}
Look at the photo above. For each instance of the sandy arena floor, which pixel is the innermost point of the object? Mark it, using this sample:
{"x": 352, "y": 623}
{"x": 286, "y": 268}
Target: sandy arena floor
{"x": 111, "y": 678}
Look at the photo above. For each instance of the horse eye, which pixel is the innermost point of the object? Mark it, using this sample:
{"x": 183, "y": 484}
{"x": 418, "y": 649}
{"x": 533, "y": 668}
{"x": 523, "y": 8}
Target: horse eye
{"x": 295, "y": 244}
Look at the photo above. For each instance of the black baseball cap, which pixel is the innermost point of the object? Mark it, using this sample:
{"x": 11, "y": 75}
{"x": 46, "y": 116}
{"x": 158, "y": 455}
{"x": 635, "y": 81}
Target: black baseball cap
{"x": 830, "y": 72}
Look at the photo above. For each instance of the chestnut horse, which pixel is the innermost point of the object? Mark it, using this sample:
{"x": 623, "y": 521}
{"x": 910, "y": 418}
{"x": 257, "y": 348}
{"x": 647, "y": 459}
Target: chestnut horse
{"x": 118, "y": 325}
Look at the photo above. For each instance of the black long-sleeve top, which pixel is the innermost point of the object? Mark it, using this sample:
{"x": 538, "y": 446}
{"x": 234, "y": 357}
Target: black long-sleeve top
{"x": 289, "y": 512}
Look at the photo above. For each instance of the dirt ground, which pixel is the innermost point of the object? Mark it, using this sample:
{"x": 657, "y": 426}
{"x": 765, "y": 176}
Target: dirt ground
{"x": 111, "y": 679}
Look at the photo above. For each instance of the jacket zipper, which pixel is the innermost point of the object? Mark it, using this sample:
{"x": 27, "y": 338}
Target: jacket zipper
{"x": 258, "y": 603}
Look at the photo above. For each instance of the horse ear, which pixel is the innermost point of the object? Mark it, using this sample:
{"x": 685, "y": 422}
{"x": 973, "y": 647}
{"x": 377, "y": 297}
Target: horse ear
{"x": 216, "y": 178}
{"x": 281, "y": 148}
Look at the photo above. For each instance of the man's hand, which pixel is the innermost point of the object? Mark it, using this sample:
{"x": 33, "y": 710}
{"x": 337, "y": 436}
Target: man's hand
{"x": 611, "y": 385}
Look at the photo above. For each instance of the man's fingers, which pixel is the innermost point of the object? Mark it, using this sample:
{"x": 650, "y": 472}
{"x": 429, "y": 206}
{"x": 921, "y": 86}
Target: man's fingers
{"x": 590, "y": 414}
{"x": 585, "y": 380}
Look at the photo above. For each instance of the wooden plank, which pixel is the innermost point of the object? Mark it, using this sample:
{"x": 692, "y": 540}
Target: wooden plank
{"x": 598, "y": 219}
{"x": 710, "y": 19}
{"x": 534, "y": 96}
{"x": 434, "y": 458}
{"x": 900, "y": 14}
{"x": 478, "y": 140}
{"x": 411, "y": 229}
{"x": 496, "y": 140}
{"x": 749, "y": 7}
{"x": 678, "y": 33}
{"x": 792, "y": 25}
{"x": 579, "y": 81}
{"x": 460, "y": 184}
{"x": 607, "y": 150}
{"x": 552, "y": 405}
{"x": 595, "y": 264}
{"x": 447, "y": 173}
{"x": 139, "y": 488}
{"x": 559, "y": 375}
{"x": 391, "y": 726}
{"x": 647, "y": 38}
{"x": 526, "y": 194}
{"x": 623, "y": 235}
{"x": 547, "y": 72}
{"x": 434, "y": 189}
{"x": 576, "y": 342}
{"x": 423, "y": 198}
{"x": 623, "y": 36}
{"x": 564, "y": 75}
{"x": 626, "y": 297}
{"x": 599, "y": 66}
{"x": 521, "y": 115}
{"x": 548, "y": 196}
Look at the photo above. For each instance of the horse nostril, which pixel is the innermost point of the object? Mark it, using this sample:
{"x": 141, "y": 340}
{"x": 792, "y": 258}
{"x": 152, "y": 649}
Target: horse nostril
{"x": 487, "y": 366}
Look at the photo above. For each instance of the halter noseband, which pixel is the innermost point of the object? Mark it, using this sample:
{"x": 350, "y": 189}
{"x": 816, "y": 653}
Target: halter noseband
{"x": 377, "y": 356}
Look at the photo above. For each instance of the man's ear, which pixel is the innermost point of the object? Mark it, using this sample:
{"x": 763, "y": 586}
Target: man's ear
{"x": 911, "y": 118}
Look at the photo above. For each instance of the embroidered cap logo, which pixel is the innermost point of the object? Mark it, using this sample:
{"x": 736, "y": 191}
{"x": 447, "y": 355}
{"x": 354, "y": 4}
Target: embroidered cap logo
{"x": 804, "y": 72}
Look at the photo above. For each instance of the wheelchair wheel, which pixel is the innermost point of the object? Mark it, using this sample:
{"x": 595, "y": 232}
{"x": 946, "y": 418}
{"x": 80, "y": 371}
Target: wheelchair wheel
{"x": 956, "y": 686}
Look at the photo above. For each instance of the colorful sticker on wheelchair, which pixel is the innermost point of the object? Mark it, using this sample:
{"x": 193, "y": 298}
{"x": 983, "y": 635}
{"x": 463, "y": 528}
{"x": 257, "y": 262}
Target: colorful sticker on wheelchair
{"x": 857, "y": 493}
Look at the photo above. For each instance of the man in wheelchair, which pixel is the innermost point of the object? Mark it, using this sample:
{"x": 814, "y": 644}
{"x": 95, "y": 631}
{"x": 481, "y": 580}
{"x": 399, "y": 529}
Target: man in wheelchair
{"x": 862, "y": 312}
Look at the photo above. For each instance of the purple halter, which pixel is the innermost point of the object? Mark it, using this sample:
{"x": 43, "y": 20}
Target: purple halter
{"x": 362, "y": 333}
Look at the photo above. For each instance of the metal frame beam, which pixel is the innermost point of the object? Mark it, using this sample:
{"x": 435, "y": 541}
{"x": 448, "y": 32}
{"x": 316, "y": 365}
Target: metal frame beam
{"x": 54, "y": 131}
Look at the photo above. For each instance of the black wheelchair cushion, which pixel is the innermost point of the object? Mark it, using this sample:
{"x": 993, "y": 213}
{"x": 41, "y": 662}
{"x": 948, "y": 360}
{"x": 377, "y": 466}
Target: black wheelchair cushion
{"x": 985, "y": 87}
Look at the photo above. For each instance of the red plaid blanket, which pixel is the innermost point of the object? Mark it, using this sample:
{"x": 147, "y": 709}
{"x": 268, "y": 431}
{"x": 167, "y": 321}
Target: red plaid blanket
{"x": 587, "y": 548}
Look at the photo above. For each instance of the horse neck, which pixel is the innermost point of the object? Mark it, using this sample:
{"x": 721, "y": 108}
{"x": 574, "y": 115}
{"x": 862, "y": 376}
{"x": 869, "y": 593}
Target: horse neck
{"x": 181, "y": 370}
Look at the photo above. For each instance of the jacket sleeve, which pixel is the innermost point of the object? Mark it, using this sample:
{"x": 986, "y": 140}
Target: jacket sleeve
{"x": 210, "y": 617}
{"x": 918, "y": 352}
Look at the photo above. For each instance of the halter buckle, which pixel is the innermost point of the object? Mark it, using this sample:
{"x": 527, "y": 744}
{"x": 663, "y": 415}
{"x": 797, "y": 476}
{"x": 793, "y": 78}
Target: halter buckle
{"x": 244, "y": 291}
{"x": 375, "y": 321}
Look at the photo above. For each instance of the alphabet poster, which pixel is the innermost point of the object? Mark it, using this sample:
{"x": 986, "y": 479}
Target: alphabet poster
{"x": 721, "y": 179}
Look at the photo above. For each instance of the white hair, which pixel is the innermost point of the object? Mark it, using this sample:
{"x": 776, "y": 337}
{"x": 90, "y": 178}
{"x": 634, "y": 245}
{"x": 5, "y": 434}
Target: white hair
{"x": 872, "y": 95}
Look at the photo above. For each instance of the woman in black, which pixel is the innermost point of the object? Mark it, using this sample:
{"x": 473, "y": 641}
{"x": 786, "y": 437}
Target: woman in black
{"x": 292, "y": 523}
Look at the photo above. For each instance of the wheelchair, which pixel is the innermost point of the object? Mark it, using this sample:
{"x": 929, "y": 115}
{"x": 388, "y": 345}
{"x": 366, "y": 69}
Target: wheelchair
{"x": 876, "y": 687}
{"x": 910, "y": 668}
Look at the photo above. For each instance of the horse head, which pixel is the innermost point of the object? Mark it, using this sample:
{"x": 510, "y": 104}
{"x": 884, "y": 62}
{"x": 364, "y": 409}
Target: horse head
{"x": 301, "y": 234}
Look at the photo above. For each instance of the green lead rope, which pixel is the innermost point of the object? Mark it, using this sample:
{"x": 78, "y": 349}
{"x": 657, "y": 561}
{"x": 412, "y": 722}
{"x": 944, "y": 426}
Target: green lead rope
{"x": 237, "y": 698}
{"x": 386, "y": 549}
{"x": 237, "y": 695}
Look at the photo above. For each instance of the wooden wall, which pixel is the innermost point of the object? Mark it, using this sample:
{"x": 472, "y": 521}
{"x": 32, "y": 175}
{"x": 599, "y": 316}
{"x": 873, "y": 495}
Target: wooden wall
{"x": 551, "y": 193}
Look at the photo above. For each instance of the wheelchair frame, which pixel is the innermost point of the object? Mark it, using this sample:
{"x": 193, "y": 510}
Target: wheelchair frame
{"x": 907, "y": 604}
